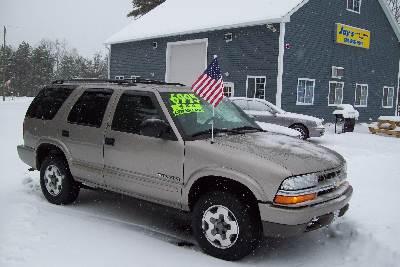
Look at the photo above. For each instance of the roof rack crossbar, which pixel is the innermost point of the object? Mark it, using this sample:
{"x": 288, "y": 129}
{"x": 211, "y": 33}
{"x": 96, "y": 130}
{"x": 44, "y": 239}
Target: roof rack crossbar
{"x": 124, "y": 81}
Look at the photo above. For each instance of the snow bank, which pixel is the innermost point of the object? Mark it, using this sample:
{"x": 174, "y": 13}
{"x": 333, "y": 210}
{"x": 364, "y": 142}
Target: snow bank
{"x": 182, "y": 16}
{"x": 389, "y": 118}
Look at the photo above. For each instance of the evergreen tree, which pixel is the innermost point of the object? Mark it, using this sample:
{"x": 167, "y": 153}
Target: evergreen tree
{"x": 42, "y": 67}
{"x": 141, "y": 7}
{"x": 22, "y": 70}
{"x": 6, "y": 55}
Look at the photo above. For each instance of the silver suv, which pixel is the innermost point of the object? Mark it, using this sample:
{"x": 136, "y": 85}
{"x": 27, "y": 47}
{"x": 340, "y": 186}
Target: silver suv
{"x": 152, "y": 141}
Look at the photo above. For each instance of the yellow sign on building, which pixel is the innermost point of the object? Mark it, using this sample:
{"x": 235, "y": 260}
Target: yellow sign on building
{"x": 352, "y": 36}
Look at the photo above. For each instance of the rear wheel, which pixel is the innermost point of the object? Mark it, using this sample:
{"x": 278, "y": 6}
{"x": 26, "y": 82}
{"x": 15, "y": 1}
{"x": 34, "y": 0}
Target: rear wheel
{"x": 302, "y": 130}
{"x": 56, "y": 181}
{"x": 225, "y": 226}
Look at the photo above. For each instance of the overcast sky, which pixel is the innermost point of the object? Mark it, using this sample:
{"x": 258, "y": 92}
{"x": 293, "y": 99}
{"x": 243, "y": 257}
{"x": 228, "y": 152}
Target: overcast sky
{"x": 84, "y": 24}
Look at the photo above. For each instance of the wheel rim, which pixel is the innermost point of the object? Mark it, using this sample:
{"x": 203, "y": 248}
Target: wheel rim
{"x": 301, "y": 131}
{"x": 220, "y": 227}
{"x": 53, "y": 179}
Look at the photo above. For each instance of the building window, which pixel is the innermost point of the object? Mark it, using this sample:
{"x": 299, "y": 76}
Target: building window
{"x": 229, "y": 89}
{"x": 388, "y": 97}
{"x": 305, "y": 91}
{"x": 337, "y": 72}
{"x": 335, "y": 93}
{"x": 361, "y": 95}
{"x": 120, "y": 77}
{"x": 354, "y": 6}
{"x": 155, "y": 45}
{"x": 256, "y": 86}
{"x": 228, "y": 37}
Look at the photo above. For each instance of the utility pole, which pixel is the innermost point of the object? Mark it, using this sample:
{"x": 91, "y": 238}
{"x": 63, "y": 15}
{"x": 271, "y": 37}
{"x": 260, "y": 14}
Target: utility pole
{"x": 4, "y": 64}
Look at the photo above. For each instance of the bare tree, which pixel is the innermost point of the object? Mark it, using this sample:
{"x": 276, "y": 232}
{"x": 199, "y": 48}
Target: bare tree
{"x": 394, "y": 5}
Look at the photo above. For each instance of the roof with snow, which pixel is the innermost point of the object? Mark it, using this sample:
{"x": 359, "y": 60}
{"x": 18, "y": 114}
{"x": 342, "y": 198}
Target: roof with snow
{"x": 191, "y": 16}
{"x": 175, "y": 17}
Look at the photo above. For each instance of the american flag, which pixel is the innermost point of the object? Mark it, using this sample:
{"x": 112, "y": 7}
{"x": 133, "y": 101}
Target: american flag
{"x": 209, "y": 85}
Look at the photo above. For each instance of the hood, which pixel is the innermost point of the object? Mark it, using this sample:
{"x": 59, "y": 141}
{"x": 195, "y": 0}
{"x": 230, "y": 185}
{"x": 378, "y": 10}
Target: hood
{"x": 295, "y": 155}
{"x": 301, "y": 117}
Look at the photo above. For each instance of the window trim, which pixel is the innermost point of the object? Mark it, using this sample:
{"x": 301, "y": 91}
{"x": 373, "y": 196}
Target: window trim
{"x": 255, "y": 83}
{"x": 104, "y": 118}
{"x": 355, "y": 95}
{"x": 231, "y": 85}
{"x": 335, "y": 68}
{"x": 383, "y": 94}
{"x": 352, "y": 10}
{"x": 329, "y": 93}
{"x": 297, "y": 92}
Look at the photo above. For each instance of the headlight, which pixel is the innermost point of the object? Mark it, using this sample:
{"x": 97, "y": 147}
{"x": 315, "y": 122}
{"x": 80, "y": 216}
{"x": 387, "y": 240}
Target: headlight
{"x": 300, "y": 182}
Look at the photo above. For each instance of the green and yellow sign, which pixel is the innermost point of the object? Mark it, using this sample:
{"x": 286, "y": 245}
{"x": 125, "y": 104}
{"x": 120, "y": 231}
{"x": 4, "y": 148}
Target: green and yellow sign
{"x": 182, "y": 104}
{"x": 352, "y": 36}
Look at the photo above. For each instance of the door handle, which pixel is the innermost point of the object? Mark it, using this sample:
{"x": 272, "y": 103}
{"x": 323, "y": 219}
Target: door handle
{"x": 109, "y": 141}
{"x": 65, "y": 133}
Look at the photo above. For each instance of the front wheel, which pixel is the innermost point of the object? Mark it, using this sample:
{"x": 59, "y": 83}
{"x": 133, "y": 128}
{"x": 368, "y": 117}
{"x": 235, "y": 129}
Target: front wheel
{"x": 225, "y": 226}
{"x": 56, "y": 181}
{"x": 304, "y": 135}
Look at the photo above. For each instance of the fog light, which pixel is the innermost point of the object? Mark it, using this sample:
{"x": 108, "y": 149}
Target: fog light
{"x": 290, "y": 200}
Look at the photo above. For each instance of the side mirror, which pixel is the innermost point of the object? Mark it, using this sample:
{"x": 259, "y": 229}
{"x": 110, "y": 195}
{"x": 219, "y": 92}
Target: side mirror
{"x": 154, "y": 128}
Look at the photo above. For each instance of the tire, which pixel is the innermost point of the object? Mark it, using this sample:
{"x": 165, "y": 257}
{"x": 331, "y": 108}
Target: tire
{"x": 237, "y": 214}
{"x": 302, "y": 130}
{"x": 56, "y": 181}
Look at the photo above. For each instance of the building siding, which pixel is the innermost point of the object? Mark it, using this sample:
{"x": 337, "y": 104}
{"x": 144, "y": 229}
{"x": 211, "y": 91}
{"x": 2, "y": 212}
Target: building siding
{"x": 253, "y": 51}
{"x": 313, "y": 51}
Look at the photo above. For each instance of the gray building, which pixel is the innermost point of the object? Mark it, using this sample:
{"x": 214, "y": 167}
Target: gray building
{"x": 306, "y": 56}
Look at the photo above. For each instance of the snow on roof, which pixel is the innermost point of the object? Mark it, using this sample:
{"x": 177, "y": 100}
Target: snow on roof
{"x": 191, "y": 16}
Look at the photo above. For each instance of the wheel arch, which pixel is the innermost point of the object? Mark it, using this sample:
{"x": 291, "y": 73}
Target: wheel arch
{"x": 49, "y": 146}
{"x": 222, "y": 180}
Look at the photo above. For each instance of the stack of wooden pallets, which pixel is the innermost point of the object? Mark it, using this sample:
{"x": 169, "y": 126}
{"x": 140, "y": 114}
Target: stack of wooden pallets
{"x": 386, "y": 125}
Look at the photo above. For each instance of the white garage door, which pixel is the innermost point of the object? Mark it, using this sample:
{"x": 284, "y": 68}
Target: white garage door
{"x": 186, "y": 61}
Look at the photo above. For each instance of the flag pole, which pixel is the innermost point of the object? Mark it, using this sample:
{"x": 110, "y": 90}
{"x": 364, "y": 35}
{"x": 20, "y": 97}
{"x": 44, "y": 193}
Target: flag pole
{"x": 213, "y": 116}
{"x": 212, "y": 126}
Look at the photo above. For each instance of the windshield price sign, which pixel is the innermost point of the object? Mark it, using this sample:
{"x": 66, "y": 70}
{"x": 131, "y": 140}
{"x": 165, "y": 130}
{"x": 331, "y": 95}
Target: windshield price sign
{"x": 352, "y": 36}
{"x": 182, "y": 104}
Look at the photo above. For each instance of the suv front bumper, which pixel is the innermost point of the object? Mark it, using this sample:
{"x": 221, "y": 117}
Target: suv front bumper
{"x": 281, "y": 221}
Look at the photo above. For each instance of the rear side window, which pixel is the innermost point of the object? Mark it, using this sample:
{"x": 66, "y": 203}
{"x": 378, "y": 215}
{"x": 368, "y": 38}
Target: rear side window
{"x": 47, "y": 103}
{"x": 90, "y": 108}
{"x": 131, "y": 111}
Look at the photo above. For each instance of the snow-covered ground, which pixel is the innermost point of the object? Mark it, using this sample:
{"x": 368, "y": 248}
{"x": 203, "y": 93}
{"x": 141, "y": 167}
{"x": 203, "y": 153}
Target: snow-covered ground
{"x": 104, "y": 229}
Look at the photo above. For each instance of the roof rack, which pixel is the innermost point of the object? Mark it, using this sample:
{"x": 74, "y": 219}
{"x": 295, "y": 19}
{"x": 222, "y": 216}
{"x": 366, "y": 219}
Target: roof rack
{"x": 132, "y": 81}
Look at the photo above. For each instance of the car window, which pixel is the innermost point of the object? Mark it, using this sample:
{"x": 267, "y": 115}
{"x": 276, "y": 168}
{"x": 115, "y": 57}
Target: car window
{"x": 131, "y": 111}
{"x": 47, "y": 103}
{"x": 241, "y": 103}
{"x": 90, "y": 108}
{"x": 257, "y": 106}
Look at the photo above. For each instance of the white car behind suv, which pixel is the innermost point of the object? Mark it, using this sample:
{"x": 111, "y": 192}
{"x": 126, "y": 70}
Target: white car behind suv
{"x": 264, "y": 111}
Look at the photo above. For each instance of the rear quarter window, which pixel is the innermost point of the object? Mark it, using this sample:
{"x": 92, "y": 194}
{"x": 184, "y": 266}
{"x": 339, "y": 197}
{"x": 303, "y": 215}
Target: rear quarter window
{"x": 90, "y": 108}
{"x": 48, "y": 102}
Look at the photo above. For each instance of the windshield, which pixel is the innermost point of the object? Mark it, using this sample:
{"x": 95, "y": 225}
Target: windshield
{"x": 193, "y": 116}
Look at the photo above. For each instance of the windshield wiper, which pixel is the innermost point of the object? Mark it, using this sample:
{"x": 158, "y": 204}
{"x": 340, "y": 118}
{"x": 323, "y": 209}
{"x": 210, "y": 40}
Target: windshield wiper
{"x": 247, "y": 128}
{"x": 208, "y": 131}
{"x": 239, "y": 130}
